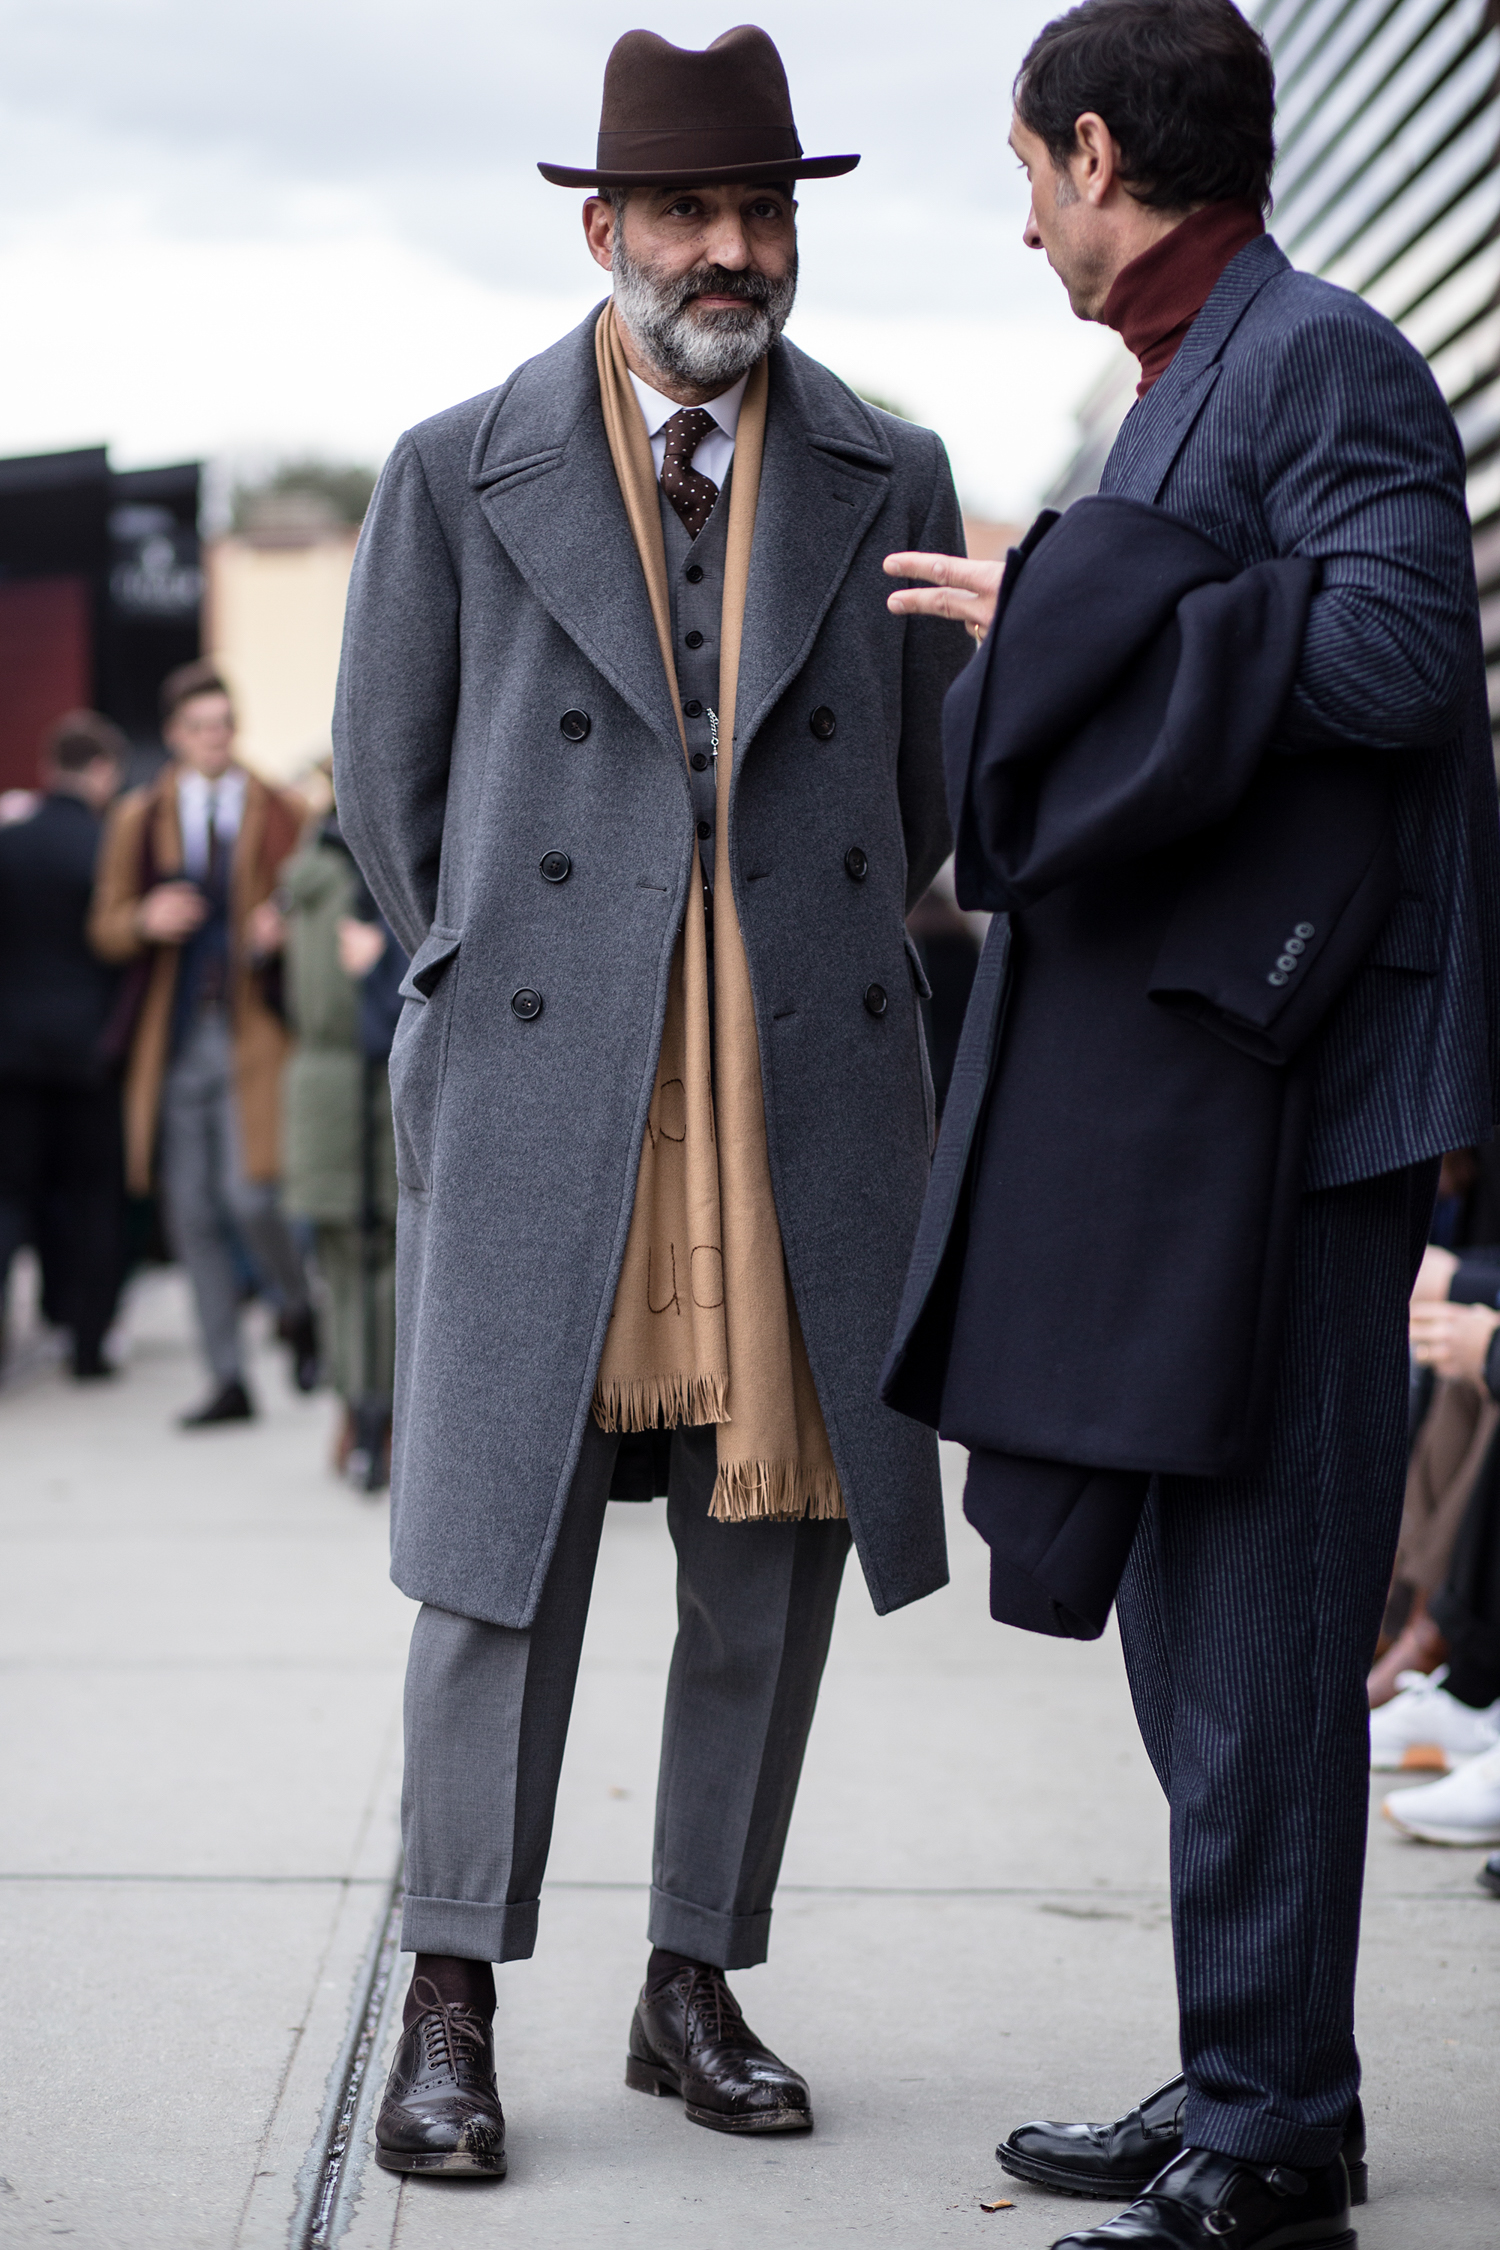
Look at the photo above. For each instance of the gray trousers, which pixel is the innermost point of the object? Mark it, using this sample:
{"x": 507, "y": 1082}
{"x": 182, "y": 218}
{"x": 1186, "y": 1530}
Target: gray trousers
{"x": 205, "y": 1194}
{"x": 487, "y": 1717}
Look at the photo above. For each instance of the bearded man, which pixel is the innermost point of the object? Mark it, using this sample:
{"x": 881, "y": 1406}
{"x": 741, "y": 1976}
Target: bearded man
{"x": 645, "y": 779}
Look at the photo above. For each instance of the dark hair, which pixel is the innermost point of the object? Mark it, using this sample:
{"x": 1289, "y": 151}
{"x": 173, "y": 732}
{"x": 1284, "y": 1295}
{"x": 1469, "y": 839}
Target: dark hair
{"x": 202, "y": 677}
{"x": 1185, "y": 86}
{"x": 78, "y": 738}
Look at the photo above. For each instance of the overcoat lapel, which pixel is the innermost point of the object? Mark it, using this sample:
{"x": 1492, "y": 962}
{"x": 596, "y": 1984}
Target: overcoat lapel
{"x": 825, "y": 474}
{"x": 1157, "y": 426}
{"x": 543, "y": 475}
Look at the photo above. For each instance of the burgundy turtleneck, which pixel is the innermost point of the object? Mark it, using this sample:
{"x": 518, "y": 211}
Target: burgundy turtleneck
{"x": 1158, "y": 296}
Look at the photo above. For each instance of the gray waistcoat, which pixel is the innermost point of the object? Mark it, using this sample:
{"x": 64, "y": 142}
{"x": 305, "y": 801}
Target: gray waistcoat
{"x": 697, "y": 608}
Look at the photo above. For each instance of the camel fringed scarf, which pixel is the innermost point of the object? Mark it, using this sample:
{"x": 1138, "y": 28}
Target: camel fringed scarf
{"x": 704, "y": 1328}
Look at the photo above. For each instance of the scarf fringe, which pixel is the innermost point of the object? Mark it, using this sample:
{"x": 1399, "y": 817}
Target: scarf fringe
{"x": 775, "y": 1492}
{"x": 661, "y": 1402}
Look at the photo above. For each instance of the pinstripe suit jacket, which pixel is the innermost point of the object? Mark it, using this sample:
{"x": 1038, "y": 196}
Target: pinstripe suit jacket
{"x": 1295, "y": 420}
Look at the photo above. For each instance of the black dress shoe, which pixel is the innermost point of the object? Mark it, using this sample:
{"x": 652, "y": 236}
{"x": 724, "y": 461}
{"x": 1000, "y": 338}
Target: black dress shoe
{"x": 441, "y": 2111}
{"x": 1203, "y": 2198}
{"x": 688, "y": 2037}
{"x": 1120, "y": 2159}
{"x": 231, "y": 1404}
{"x": 299, "y": 1332}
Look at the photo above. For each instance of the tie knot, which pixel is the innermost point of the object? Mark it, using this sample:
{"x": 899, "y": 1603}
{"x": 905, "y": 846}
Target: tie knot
{"x": 685, "y": 432}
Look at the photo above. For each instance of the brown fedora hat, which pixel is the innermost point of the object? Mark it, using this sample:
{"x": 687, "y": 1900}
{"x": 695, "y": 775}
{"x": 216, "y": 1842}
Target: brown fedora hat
{"x": 680, "y": 115}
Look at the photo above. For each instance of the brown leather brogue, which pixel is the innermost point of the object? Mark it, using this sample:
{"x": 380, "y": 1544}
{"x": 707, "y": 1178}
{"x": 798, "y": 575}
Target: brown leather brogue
{"x": 688, "y": 2037}
{"x": 441, "y": 2111}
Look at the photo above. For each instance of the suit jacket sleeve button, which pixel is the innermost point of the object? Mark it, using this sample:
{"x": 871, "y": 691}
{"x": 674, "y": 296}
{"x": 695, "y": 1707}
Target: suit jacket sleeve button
{"x": 822, "y": 722}
{"x": 556, "y": 867}
{"x": 526, "y": 1004}
{"x": 1304, "y": 930}
{"x": 856, "y": 865}
{"x": 875, "y": 999}
{"x": 575, "y": 725}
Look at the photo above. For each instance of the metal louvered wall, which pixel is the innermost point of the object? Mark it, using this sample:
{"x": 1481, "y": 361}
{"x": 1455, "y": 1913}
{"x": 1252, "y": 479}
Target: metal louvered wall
{"x": 1388, "y": 182}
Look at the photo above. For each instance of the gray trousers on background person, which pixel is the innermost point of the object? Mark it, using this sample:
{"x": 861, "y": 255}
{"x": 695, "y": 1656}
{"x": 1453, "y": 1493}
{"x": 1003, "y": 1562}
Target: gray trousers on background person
{"x": 205, "y": 1194}
{"x": 487, "y": 1713}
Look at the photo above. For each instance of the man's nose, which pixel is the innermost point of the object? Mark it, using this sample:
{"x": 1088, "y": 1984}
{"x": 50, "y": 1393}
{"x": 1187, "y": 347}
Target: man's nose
{"x": 1031, "y": 233}
{"x": 728, "y": 247}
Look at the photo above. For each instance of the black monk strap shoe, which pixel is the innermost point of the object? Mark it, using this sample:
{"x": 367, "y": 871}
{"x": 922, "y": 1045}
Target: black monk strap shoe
{"x": 1118, "y": 2160}
{"x": 1204, "y": 2201}
{"x": 689, "y": 2038}
{"x": 441, "y": 2112}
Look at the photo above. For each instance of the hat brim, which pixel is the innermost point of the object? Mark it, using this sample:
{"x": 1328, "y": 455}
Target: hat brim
{"x": 707, "y": 175}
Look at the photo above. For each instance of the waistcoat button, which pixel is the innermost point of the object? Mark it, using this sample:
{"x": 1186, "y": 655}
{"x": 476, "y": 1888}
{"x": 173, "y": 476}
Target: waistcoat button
{"x": 704, "y": 831}
{"x": 856, "y": 864}
{"x": 822, "y": 722}
{"x": 575, "y": 725}
{"x": 693, "y": 710}
{"x": 694, "y": 574}
{"x": 875, "y": 999}
{"x": 699, "y": 760}
{"x": 526, "y": 1004}
{"x": 694, "y": 639}
{"x": 556, "y": 867}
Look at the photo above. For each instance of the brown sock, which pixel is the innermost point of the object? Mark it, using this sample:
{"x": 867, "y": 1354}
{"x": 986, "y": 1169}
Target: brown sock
{"x": 663, "y": 1966}
{"x": 469, "y": 1984}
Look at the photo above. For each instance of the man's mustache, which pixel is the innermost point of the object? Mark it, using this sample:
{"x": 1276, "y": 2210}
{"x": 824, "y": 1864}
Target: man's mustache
{"x": 717, "y": 281}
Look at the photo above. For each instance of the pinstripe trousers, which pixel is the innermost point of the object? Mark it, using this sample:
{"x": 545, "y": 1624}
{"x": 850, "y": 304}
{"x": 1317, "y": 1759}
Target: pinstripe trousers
{"x": 1248, "y": 1613}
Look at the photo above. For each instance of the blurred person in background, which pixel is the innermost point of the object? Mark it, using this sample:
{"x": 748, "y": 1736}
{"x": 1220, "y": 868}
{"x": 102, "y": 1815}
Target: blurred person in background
{"x": 61, "y": 1182}
{"x": 343, "y": 970}
{"x": 625, "y": 1209}
{"x": 1328, "y": 924}
{"x": 188, "y": 864}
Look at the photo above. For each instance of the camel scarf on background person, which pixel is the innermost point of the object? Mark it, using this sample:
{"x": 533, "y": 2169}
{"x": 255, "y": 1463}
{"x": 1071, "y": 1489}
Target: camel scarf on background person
{"x": 704, "y": 1328}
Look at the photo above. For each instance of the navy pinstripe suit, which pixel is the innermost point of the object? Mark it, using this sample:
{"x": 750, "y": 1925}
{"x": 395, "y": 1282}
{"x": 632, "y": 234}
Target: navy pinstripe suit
{"x": 1295, "y": 420}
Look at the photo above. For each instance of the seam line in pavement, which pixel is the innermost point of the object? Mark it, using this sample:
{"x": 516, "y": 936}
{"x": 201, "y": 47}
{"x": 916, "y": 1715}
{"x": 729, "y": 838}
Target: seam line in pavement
{"x": 320, "y": 2204}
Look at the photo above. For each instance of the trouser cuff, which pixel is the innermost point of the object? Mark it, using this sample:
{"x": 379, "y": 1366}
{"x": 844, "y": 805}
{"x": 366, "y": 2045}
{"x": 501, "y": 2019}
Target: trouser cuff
{"x": 469, "y": 1930}
{"x": 1259, "y": 2136}
{"x": 725, "y": 1941}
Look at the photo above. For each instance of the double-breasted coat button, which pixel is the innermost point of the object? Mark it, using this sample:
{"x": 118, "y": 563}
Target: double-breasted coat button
{"x": 856, "y": 865}
{"x": 822, "y": 722}
{"x": 694, "y": 639}
{"x": 526, "y": 1004}
{"x": 694, "y": 574}
{"x": 875, "y": 999}
{"x": 575, "y": 725}
{"x": 556, "y": 867}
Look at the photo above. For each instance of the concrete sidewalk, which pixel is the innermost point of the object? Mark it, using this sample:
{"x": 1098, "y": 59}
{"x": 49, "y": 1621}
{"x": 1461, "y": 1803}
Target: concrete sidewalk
{"x": 199, "y": 1759}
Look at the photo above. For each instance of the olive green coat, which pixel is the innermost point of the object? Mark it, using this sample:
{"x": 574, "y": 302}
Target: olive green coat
{"x": 323, "y": 1087}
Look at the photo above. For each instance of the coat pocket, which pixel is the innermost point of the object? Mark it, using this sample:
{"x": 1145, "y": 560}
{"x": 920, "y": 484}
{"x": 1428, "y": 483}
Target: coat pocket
{"x": 419, "y": 1055}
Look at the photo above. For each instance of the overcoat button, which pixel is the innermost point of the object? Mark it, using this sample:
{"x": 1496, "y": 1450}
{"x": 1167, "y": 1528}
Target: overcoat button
{"x": 694, "y": 639}
{"x": 526, "y": 1004}
{"x": 700, "y": 761}
{"x": 856, "y": 864}
{"x": 875, "y": 999}
{"x": 575, "y": 724}
{"x": 694, "y": 574}
{"x": 822, "y": 722}
{"x": 694, "y": 709}
{"x": 556, "y": 868}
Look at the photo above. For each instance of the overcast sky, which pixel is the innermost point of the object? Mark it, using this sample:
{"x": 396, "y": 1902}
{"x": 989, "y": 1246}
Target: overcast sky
{"x": 299, "y": 225}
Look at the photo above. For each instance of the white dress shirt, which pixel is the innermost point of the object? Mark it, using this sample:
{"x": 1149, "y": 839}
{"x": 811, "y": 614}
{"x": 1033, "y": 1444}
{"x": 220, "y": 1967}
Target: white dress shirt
{"x": 716, "y": 451}
{"x": 195, "y": 794}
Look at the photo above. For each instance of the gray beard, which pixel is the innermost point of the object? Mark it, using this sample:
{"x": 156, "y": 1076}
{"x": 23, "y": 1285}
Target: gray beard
{"x": 697, "y": 347}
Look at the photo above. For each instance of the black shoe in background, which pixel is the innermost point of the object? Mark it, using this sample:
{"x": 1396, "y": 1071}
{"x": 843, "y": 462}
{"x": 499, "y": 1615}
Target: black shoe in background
{"x": 442, "y": 2111}
{"x": 231, "y": 1404}
{"x": 299, "y": 1332}
{"x": 1203, "y": 2197}
{"x": 688, "y": 2037}
{"x": 1489, "y": 1874}
{"x": 93, "y": 1367}
{"x": 1119, "y": 2160}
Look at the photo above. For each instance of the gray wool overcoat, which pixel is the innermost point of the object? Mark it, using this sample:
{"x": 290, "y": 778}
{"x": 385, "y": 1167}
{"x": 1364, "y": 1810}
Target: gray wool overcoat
{"x": 502, "y": 698}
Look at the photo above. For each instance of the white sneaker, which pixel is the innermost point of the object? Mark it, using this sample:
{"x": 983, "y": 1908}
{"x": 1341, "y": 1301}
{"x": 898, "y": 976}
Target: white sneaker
{"x": 1424, "y": 1729}
{"x": 1464, "y": 1809}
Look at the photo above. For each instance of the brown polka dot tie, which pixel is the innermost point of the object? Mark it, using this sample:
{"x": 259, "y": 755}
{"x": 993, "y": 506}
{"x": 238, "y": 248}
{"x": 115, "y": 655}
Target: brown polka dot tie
{"x": 692, "y": 495}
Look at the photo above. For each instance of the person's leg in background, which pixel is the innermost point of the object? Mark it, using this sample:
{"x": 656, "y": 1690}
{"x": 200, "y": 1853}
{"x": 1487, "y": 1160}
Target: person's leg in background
{"x": 359, "y": 1328}
{"x": 1248, "y": 1615}
{"x": 192, "y": 1165}
{"x": 22, "y": 1144}
{"x": 89, "y": 1192}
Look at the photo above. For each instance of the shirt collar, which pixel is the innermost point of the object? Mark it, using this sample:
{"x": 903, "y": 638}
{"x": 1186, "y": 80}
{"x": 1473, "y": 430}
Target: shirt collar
{"x": 658, "y": 410}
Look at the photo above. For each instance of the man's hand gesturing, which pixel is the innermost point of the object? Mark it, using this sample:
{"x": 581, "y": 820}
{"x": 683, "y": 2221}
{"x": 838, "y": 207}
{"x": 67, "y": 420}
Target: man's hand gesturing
{"x": 959, "y": 588}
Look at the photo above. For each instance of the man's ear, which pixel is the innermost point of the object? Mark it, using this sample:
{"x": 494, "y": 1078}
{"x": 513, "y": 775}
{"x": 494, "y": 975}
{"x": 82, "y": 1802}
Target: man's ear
{"x": 1096, "y": 165}
{"x": 599, "y": 229}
